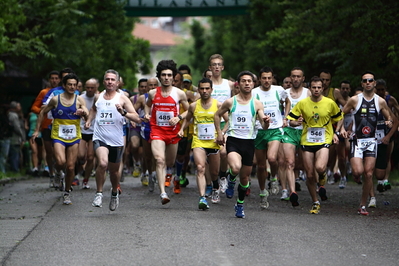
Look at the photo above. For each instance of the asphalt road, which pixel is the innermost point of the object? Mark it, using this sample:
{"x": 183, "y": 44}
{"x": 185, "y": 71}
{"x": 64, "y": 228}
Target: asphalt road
{"x": 36, "y": 229}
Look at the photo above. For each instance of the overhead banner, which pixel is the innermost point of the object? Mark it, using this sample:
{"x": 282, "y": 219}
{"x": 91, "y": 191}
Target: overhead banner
{"x": 184, "y": 8}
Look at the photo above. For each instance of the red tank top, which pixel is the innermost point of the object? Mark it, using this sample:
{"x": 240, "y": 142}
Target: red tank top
{"x": 163, "y": 109}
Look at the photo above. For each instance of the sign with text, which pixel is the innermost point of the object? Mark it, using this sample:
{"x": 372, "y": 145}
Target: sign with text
{"x": 183, "y": 8}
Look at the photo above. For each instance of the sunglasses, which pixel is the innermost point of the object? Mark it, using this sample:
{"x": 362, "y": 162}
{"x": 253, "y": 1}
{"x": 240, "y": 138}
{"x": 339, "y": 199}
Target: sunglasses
{"x": 367, "y": 80}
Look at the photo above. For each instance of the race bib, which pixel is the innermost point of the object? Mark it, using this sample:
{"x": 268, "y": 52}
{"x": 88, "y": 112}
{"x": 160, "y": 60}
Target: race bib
{"x": 272, "y": 115}
{"x": 241, "y": 122}
{"x": 67, "y": 132}
{"x": 316, "y": 135}
{"x": 106, "y": 118}
{"x": 367, "y": 144}
{"x": 379, "y": 134}
{"x": 206, "y": 131}
{"x": 163, "y": 118}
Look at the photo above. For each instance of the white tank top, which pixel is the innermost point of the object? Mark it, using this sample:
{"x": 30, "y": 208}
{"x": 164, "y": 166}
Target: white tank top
{"x": 89, "y": 103}
{"x": 221, "y": 92}
{"x": 108, "y": 125}
{"x": 295, "y": 101}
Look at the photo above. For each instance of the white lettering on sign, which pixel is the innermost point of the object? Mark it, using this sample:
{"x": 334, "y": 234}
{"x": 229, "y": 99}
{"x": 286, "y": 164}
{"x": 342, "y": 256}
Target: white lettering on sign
{"x": 186, "y": 3}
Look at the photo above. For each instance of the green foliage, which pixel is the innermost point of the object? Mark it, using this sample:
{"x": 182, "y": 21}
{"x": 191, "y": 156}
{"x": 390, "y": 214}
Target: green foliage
{"x": 345, "y": 36}
{"x": 90, "y": 36}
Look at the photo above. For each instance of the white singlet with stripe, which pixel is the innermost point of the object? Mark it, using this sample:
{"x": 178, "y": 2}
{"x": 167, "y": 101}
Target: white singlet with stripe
{"x": 295, "y": 101}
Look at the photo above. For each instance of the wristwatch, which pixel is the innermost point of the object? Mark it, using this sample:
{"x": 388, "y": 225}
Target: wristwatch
{"x": 124, "y": 113}
{"x": 337, "y": 133}
{"x": 180, "y": 117}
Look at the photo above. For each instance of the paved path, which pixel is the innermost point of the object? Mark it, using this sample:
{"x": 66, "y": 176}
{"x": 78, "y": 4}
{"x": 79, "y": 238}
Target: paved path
{"x": 36, "y": 229}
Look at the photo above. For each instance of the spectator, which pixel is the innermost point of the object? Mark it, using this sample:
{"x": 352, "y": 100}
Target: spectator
{"x": 5, "y": 134}
{"x": 17, "y": 137}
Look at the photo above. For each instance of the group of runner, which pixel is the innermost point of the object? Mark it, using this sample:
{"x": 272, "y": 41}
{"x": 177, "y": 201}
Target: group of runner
{"x": 226, "y": 124}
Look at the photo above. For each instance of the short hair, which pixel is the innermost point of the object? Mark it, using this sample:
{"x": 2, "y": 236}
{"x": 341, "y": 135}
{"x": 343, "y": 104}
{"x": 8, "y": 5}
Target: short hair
{"x": 204, "y": 73}
{"x": 112, "y": 71}
{"x": 54, "y": 72}
{"x": 205, "y": 80}
{"x": 368, "y": 72}
{"x": 345, "y": 82}
{"x": 298, "y": 68}
{"x": 266, "y": 69}
{"x": 65, "y": 70}
{"x": 245, "y": 72}
{"x": 359, "y": 89}
{"x": 185, "y": 67}
{"x": 164, "y": 65}
{"x": 70, "y": 76}
{"x": 315, "y": 79}
{"x": 381, "y": 82}
{"x": 325, "y": 71}
{"x": 142, "y": 80}
{"x": 215, "y": 56}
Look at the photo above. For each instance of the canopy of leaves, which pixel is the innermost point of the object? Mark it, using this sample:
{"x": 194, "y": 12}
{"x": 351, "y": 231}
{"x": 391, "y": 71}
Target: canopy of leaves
{"x": 345, "y": 36}
{"x": 90, "y": 36}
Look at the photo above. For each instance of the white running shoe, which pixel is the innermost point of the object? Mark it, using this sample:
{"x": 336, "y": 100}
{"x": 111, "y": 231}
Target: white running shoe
{"x": 67, "y": 198}
{"x": 114, "y": 203}
{"x": 372, "y": 203}
{"x": 264, "y": 194}
{"x": 215, "y": 196}
{"x": 284, "y": 195}
{"x": 98, "y": 200}
{"x": 223, "y": 185}
{"x": 274, "y": 189}
{"x": 342, "y": 183}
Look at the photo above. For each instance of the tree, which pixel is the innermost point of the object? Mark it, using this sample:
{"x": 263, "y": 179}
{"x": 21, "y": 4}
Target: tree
{"x": 89, "y": 36}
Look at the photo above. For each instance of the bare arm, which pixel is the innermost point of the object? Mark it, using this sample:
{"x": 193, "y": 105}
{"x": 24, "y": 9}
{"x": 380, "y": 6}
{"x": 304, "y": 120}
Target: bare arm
{"x": 186, "y": 121}
{"x": 92, "y": 113}
{"x": 126, "y": 104}
{"x": 52, "y": 104}
{"x": 224, "y": 108}
{"x": 263, "y": 119}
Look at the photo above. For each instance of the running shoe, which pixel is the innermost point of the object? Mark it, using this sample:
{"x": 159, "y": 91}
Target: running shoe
{"x": 315, "y": 208}
{"x": 151, "y": 183}
{"x": 164, "y": 198}
{"x": 342, "y": 183}
{"x": 331, "y": 179}
{"x": 387, "y": 185}
{"x": 274, "y": 189}
{"x": 67, "y": 198}
{"x": 208, "y": 190}
{"x": 297, "y": 186}
{"x": 223, "y": 184}
{"x": 230, "y": 188}
{"x": 136, "y": 171}
{"x": 284, "y": 195}
{"x": 52, "y": 182}
{"x": 264, "y": 194}
{"x": 372, "y": 203}
{"x": 203, "y": 204}
{"x": 362, "y": 210}
{"x": 248, "y": 191}
{"x": 323, "y": 193}
{"x": 239, "y": 208}
{"x": 337, "y": 177}
{"x": 294, "y": 199}
{"x": 86, "y": 184}
{"x": 168, "y": 178}
{"x": 176, "y": 186}
{"x": 75, "y": 182}
{"x": 144, "y": 180}
{"x": 98, "y": 200}
{"x": 114, "y": 203}
{"x": 119, "y": 189}
{"x": 380, "y": 187}
{"x": 183, "y": 181}
{"x": 215, "y": 196}
{"x": 46, "y": 171}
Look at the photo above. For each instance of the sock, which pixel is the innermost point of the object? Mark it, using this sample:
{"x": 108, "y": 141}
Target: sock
{"x": 114, "y": 193}
{"x": 231, "y": 177}
{"x": 215, "y": 184}
{"x": 222, "y": 174}
{"x": 242, "y": 191}
{"x": 380, "y": 181}
{"x": 179, "y": 167}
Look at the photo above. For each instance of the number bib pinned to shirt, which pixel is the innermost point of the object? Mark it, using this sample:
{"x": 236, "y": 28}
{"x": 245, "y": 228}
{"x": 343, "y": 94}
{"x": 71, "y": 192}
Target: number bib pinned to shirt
{"x": 316, "y": 135}
{"x": 67, "y": 132}
{"x": 163, "y": 118}
{"x": 206, "y": 131}
{"x": 106, "y": 118}
{"x": 367, "y": 144}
